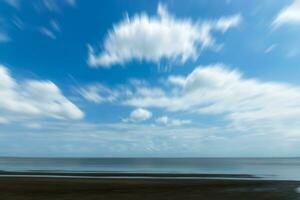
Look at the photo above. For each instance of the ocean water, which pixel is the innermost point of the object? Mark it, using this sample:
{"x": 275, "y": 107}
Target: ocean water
{"x": 267, "y": 168}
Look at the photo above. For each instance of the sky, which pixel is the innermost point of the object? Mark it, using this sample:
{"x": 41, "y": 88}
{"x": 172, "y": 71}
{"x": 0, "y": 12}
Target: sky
{"x": 154, "y": 78}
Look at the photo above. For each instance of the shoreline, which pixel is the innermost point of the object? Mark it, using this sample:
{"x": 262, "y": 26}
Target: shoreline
{"x": 125, "y": 175}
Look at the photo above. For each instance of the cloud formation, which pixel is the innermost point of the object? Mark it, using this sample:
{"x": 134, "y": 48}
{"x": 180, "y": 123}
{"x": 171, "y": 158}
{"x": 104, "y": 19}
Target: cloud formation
{"x": 32, "y": 99}
{"x": 139, "y": 139}
{"x": 216, "y": 90}
{"x": 139, "y": 115}
{"x": 153, "y": 38}
{"x": 289, "y": 15}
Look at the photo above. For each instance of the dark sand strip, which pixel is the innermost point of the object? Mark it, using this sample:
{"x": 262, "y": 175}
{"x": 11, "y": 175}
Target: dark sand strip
{"x": 145, "y": 189}
{"x": 125, "y": 174}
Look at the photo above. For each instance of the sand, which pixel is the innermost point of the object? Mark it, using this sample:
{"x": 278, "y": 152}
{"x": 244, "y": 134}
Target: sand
{"x": 30, "y": 188}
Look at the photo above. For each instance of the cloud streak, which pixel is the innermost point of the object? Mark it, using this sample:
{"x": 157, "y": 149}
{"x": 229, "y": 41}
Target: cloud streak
{"x": 4, "y": 37}
{"x": 13, "y": 3}
{"x": 167, "y": 121}
{"x": 98, "y": 93}
{"x": 289, "y": 15}
{"x": 45, "y": 31}
{"x": 65, "y": 138}
{"x": 33, "y": 99}
{"x": 153, "y": 38}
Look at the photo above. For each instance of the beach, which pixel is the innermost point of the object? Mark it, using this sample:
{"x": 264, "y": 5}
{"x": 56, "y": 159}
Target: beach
{"x": 134, "y": 188}
{"x": 149, "y": 178}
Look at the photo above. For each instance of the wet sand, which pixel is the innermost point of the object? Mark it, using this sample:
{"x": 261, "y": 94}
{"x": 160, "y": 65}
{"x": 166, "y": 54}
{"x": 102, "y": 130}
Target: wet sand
{"x": 124, "y": 174}
{"x": 37, "y": 188}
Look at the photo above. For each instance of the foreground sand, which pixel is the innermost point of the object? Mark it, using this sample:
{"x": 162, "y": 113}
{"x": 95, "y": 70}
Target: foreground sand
{"x": 12, "y": 188}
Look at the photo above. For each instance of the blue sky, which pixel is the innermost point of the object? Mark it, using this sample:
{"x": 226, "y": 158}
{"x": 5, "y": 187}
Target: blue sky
{"x": 149, "y": 78}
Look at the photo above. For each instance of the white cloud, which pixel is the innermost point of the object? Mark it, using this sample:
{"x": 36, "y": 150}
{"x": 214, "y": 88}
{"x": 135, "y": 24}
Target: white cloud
{"x": 217, "y": 90}
{"x": 164, "y": 36}
{"x": 139, "y": 115}
{"x": 32, "y": 99}
{"x": 176, "y": 80}
{"x": 226, "y": 23}
{"x": 289, "y": 15}
{"x": 165, "y": 120}
{"x": 225, "y": 94}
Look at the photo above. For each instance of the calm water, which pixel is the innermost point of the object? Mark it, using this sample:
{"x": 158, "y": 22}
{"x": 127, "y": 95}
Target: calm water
{"x": 271, "y": 168}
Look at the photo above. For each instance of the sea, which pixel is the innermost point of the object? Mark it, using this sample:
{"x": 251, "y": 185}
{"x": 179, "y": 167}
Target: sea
{"x": 266, "y": 168}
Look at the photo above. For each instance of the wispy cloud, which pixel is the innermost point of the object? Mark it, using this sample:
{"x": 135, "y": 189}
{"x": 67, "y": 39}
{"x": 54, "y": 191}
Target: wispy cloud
{"x": 18, "y": 23}
{"x": 289, "y": 15}
{"x": 71, "y": 2}
{"x": 104, "y": 139}
{"x": 56, "y": 5}
{"x": 164, "y": 36}
{"x": 51, "y": 29}
{"x": 270, "y": 48}
{"x": 55, "y": 25}
{"x": 167, "y": 121}
{"x": 45, "y": 31}
{"x": 140, "y": 139}
{"x": 13, "y": 3}
{"x": 4, "y": 37}
{"x": 98, "y": 93}
{"x": 3, "y": 120}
